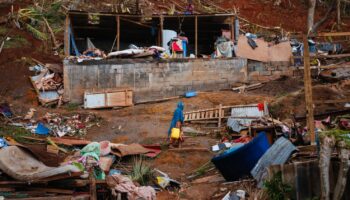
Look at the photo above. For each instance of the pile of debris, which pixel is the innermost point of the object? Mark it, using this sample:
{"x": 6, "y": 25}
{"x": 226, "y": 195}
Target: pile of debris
{"x": 48, "y": 83}
{"x": 55, "y": 165}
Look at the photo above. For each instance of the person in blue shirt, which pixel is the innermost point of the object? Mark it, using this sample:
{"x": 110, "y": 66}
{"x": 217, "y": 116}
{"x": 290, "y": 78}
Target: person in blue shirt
{"x": 176, "y": 122}
{"x": 178, "y": 117}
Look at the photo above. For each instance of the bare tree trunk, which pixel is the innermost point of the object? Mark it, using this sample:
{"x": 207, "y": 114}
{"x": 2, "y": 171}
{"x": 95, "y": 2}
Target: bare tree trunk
{"x": 324, "y": 18}
{"x": 310, "y": 15}
{"x": 327, "y": 144}
{"x": 343, "y": 171}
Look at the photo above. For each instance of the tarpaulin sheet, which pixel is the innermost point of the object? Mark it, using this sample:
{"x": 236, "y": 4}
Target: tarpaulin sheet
{"x": 239, "y": 163}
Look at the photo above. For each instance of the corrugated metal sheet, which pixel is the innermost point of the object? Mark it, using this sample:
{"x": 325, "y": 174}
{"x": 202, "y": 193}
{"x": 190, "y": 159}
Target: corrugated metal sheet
{"x": 304, "y": 177}
{"x": 247, "y": 111}
{"x": 278, "y": 153}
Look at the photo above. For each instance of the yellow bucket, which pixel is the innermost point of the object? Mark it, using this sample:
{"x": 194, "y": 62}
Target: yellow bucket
{"x": 175, "y": 133}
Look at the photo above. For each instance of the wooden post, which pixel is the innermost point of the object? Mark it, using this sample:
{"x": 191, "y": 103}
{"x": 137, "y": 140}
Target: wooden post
{"x": 92, "y": 180}
{"x": 66, "y": 37}
{"x": 161, "y": 21}
{"x": 118, "y": 33}
{"x": 220, "y": 117}
{"x": 232, "y": 28}
{"x": 308, "y": 91}
{"x": 338, "y": 15}
{"x": 196, "y": 35}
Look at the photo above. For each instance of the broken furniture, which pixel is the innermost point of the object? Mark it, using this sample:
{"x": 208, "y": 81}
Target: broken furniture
{"x": 108, "y": 98}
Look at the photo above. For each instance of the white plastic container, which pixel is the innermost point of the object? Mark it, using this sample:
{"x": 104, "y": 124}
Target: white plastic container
{"x": 167, "y": 36}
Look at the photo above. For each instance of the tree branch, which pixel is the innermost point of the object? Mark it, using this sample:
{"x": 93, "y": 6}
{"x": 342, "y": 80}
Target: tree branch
{"x": 325, "y": 17}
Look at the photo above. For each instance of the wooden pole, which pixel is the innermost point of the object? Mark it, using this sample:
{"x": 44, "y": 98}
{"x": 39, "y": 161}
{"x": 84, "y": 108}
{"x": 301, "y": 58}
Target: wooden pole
{"x": 232, "y": 28}
{"x": 196, "y": 35}
{"x": 161, "y": 21}
{"x": 118, "y": 33}
{"x": 220, "y": 116}
{"x": 338, "y": 15}
{"x": 308, "y": 91}
{"x": 92, "y": 180}
{"x": 67, "y": 36}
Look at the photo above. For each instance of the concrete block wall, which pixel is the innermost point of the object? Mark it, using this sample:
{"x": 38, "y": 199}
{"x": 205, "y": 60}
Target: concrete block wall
{"x": 152, "y": 79}
{"x": 259, "y": 71}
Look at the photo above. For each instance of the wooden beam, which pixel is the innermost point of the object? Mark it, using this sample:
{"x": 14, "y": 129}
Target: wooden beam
{"x": 333, "y": 34}
{"x": 232, "y": 28}
{"x": 118, "y": 33}
{"x": 196, "y": 35}
{"x": 165, "y": 16}
{"x": 66, "y": 37}
{"x": 308, "y": 91}
{"x": 135, "y": 22}
{"x": 331, "y": 101}
{"x": 338, "y": 15}
{"x": 220, "y": 116}
{"x": 327, "y": 56}
{"x": 161, "y": 21}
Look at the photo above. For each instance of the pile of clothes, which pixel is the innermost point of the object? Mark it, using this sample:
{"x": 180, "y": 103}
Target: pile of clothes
{"x": 138, "y": 52}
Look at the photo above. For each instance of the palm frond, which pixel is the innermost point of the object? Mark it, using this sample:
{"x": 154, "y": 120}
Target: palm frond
{"x": 36, "y": 33}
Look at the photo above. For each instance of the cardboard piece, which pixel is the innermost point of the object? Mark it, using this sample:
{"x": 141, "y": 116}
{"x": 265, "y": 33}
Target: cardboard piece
{"x": 264, "y": 52}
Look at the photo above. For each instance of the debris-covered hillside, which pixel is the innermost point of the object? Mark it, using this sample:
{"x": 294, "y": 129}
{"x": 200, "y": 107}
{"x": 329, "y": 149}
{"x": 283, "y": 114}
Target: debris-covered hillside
{"x": 242, "y": 139}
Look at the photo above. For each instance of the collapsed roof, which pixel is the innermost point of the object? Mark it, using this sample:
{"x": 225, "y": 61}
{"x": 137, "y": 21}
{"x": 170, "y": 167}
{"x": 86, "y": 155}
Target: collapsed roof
{"x": 145, "y": 7}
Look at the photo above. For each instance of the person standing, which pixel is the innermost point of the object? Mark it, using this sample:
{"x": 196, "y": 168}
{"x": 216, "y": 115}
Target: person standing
{"x": 177, "y": 120}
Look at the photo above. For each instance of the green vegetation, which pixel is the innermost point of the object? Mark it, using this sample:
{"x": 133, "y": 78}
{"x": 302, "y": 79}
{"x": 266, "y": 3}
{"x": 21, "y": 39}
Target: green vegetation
{"x": 14, "y": 132}
{"x": 276, "y": 189}
{"x": 16, "y": 42}
{"x": 72, "y": 106}
{"x": 141, "y": 172}
{"x": 339, "y": 135}
{"x": 43, "y": 19}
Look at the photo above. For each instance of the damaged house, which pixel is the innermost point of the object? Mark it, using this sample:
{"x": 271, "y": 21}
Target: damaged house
{"x": 152, "y": 50}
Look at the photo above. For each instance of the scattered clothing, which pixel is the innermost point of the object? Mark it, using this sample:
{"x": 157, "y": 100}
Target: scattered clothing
{"x": 120, "y": 183}
{"x": 92, "y": 149}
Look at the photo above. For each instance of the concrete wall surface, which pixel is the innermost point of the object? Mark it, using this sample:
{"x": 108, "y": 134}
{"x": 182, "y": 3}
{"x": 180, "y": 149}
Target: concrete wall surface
{"x": 152, "y": 79}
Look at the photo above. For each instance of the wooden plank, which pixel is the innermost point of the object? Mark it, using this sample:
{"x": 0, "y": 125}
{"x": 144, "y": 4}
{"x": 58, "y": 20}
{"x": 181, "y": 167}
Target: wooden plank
{"x": 330, "y": 101}
{"x": 326, "y": 56}
{"x": 308, "y": 91}
{"x": 119, "y": 98}
{"x": 118, "y": 33}
{"x": 196, "y": 35}
{"x": 65, "y": 197}
{"x": 60, "y": 177}
{"x": 53, "y": 190}
{"x": 330, "y": 34}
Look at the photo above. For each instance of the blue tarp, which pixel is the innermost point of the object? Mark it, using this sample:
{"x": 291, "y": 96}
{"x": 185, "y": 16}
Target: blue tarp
{"x": 239, "y": 163}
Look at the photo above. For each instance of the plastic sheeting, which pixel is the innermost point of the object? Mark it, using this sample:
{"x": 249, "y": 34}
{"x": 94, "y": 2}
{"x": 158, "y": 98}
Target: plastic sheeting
{"x": 240, "y": 162}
